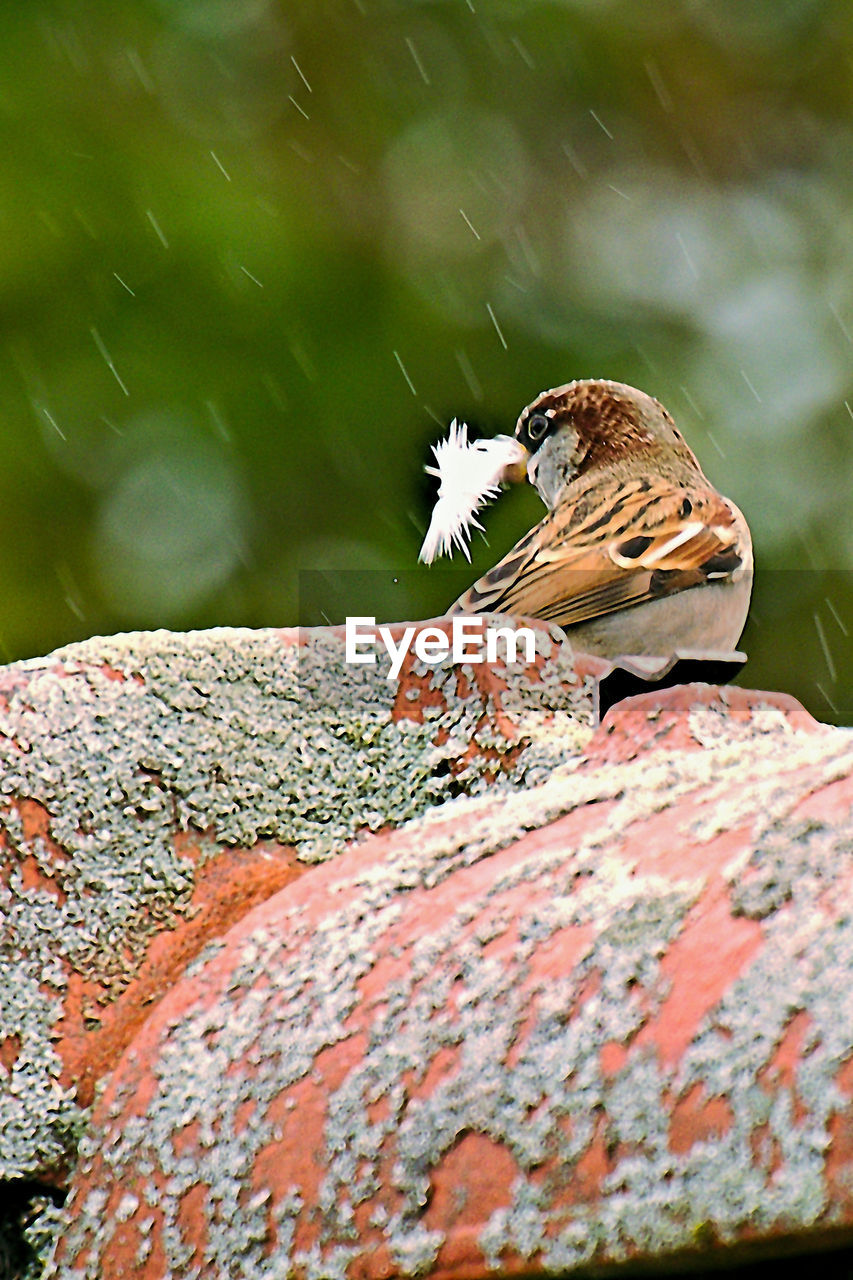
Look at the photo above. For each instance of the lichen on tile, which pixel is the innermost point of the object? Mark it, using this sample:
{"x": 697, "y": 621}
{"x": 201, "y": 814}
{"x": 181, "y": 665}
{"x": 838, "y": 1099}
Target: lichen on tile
{"x": 123, "y": 742}
{"x": 478, "y": 1028}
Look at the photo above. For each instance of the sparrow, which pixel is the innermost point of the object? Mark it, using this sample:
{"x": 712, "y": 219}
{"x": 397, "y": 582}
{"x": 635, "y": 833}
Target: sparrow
{"x": 639, "y": 553}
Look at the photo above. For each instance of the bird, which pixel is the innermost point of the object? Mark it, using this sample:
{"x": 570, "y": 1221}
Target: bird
{"x": 638, "y": 553}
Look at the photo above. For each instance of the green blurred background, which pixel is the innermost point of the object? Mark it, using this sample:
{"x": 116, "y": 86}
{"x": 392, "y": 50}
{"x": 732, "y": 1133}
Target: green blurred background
{"x": 255, "y": 255}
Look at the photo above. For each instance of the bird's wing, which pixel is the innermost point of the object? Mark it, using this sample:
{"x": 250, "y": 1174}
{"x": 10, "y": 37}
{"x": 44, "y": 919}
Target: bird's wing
{"x": 630, "y": 540}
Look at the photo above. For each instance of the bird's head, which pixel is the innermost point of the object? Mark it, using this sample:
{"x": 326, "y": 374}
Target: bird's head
{"x": 571, "y": 429}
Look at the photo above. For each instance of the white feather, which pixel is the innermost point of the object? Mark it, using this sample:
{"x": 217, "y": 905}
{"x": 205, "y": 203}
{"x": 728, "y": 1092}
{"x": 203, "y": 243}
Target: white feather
{"x": 469, "y": 476}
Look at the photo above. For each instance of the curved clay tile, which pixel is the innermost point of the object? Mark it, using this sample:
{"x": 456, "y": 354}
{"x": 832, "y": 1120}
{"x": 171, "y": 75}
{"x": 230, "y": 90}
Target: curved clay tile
{"x": 154, "y": 787}
{"x": 602, "y": 1010}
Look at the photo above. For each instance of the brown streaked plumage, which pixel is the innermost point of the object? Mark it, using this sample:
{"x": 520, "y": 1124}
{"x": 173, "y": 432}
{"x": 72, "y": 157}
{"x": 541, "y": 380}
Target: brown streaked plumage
{"x": 638, "y": 553}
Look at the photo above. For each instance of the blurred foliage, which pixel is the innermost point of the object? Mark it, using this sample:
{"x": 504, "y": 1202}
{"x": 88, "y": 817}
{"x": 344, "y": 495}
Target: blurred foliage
{"x": 255, "y": 255}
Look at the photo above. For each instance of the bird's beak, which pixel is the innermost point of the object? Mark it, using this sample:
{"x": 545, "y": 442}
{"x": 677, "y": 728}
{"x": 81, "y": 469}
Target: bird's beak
{"x": 516, "y": 471}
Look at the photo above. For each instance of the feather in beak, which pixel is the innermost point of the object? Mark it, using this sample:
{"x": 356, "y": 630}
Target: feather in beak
{"x": 470, "y": 474}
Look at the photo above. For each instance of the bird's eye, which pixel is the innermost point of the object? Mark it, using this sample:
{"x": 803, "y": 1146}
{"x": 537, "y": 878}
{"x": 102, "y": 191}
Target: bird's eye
{"x": 538, "y": 427}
